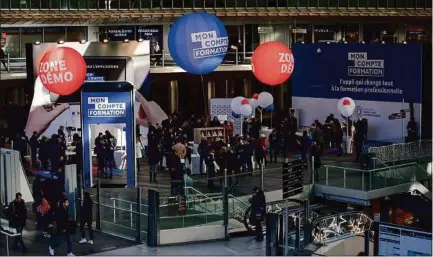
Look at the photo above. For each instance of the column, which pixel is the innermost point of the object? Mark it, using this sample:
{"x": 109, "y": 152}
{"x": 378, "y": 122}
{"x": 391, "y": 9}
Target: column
{"x": 174, "y": 93}
{"x": 210, "y": 89}
{"x": 247, "y": 88}
{"x": 93, "y": 34}
{"x": 165, "y": 31}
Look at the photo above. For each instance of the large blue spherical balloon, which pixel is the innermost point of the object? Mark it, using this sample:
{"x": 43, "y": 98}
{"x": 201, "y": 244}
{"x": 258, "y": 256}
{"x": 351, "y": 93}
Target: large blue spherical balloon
{"x": 198, "y": 42}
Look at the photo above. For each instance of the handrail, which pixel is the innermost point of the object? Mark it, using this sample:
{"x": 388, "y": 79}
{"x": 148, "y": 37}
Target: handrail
{"x": 390, "y": 168}
{"x": 368, "y": 171}
{"x": 191, "y": 215}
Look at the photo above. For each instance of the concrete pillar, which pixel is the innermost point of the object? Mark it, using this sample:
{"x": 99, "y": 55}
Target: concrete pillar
{"x": 247, "y": 88}
{"x": 174, "y": 94}
{"x": 93, "y": 34}
{"x": 166, "y": 30}
{"x": 210, "y": 89}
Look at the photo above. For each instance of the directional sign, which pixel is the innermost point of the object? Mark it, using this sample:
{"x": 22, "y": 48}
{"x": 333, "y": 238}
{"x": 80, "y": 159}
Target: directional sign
{"x": 293, "y": 178}
{"x": 397, "y": 116}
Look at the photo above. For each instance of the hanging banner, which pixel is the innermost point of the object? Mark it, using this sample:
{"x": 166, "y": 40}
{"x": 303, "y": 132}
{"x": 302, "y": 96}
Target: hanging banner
{"x": 108, "y": 103}
{"x": 380, "y": 78}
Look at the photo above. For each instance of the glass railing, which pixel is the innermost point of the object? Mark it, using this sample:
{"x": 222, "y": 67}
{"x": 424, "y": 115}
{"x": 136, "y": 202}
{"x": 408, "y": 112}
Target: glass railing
{"x": 380, "y": 177}
{"x": 193, "y": 209}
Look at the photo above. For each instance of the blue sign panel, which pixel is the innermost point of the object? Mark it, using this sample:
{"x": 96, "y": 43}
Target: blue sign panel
{"x": 108, "y": 108}
{"x": 198, "y": 42}
{"x": 377, "y": 72}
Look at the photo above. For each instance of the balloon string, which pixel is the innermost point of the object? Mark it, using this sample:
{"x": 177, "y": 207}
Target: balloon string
{"x": 204, "y": 95}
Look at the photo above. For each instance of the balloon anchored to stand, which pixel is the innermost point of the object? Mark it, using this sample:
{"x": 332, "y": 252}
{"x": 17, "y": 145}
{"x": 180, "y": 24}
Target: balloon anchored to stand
{"x": 236, "y": 116}
{"x": 270, "y": 108}
{"x": 265, "y": 99}
{"x": 198, "y": 42}
{"x": 62, "y": 70}
{"x": 272, "y": 63}
{"x": 346, "y": 106}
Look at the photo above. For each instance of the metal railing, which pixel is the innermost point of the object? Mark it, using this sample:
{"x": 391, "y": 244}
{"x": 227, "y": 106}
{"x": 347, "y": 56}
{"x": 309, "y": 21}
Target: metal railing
{"x": 161, "y": 60}
{"x": 8, "y": 234}
{"x": 370, "y": 179}
{"x": 410, "y": 151}
{"x": 209, "y": 5}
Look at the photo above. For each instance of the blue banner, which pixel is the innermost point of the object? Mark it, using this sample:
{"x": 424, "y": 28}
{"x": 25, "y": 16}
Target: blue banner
{"x": 377, "y": 72}
{"x": 108, "y": 108}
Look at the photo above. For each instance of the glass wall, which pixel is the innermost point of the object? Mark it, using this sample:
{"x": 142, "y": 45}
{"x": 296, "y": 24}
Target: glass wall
{"x": 351, "y": 33}
{"x": 302, "y": 33}
{"x": 29, "y": 35}
{"x": 76, "y": 33}
{"x": 169, "y": 4}
{"x": 10, "y": 41}
{"x": 325, "y": 33}
{"x": 54, "y": 34}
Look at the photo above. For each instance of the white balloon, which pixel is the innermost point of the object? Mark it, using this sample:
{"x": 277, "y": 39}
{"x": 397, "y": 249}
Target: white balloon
{"x": 236, "y": 104}
{"x": 346, "y": 109}
{"x": 265, "y": 99}
{"x": 246, "y": 110}
{"x": 254, "y": 103}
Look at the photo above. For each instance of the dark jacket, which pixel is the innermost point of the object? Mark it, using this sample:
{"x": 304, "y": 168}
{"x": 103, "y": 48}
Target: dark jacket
{"x": 258, "y": 206}
{"x": 17, "y": 214}
{"x": 203, "y": 149}
{"x": 62, "y": 220}
{"x": 87, "y": 208}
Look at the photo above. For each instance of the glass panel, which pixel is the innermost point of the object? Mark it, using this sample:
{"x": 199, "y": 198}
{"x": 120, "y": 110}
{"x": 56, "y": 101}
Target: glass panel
{"x": 372, "y": 3}
{"x": 252, "y": 39}
{"x": 382, "y": 3}
{"x": 177, "y": 3}
{"x": 230, "y": 3}
{"x": 324, "y": 32}
{"x": 29, "y": 35}
{"x": 362, "y": 3}
{"x": 4, "y": 4}
{"x": 251, "y": 3}
{"x": 410, "y": 3}
{"x": 45, "y": 4}
{"x": 54, "y": 4}
{"x": 74, "y": 4}
{"x": 313, "y": 3}
{"x": 333, "y": 3}
{"x": 428, "y": 4}
{"x": 351, "y": 33}
{"x": 293, "y": 3}
{"x": 76, "y": 34}
{"x": 188, "y": 3}
{"x": 210, "y": 3}
{"x": 156, "y": 4}
{"x": 353, "y": 3}
{"x": 392, "y": 3}
{"x": 198, "y": 3}
{"x": 323, "y": 3}
{"x": 54, "y": 34}
{"x": 261, "y": 3}
{"x": 282, "y": 3}
{"x": 401, "y": 3}
{"x": 421, "y": 3}
{"x": 302, "y": 33}
{"x": 10, "y": 42}
{"x": 272, "y": 3}
{"x": 15, "y": 4}
{"x": 64, "y": 4}
{"x": 241, "y": 3}
{"x": 167, "y": 3}
{"x": 343, "y": 3}
{"x": 145, "y": 4}
{"x": 302, "y": 3}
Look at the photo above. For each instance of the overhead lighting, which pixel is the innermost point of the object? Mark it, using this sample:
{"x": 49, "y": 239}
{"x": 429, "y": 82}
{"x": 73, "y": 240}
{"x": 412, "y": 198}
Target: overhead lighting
{"x": 61, "y": 42}
{"x": 37, "y": 42}
{"x": 105, "y": 41}
{"x": 140, "y": 40}
{"x": 83, "y": 41}
{"x": 126, "y": 40}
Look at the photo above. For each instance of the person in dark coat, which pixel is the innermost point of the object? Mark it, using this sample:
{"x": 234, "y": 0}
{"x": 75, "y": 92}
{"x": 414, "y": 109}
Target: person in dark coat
{"x": 63, "y": 229}
{"x": 337, "y": 134}
{"x": 210, "y": 168}
{"x": 54, "y": 154}
{"x": 86, "y": 214}
{"x": 412, "y": 134}
{"x": 203, "y": 151}
{"x": 17, "y": 219}
{"x": 152, "y": 154}
{"x": 258, "y": 212}
{"x": 274, "y": 145}
{"x": 34, "y": 145}
{"x": 315, "y": 152}
{"x": 43, "y": 153}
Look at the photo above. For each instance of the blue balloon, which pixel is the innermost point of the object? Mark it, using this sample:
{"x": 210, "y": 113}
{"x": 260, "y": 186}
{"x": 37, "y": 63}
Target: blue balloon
{"x": 198, "y": 42}
{"x": 236, "y": 116}
{"x": 270, "y": 108}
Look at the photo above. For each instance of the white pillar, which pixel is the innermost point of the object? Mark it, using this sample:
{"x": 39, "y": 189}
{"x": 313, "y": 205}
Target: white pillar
{"x": 92, "y": 34}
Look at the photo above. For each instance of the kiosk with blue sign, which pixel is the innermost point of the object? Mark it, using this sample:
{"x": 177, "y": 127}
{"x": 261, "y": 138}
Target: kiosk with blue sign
{"x": 108, "y": 103}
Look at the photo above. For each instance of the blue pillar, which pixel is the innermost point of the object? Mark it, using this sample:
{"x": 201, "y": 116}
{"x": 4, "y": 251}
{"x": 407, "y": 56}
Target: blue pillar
{"x": 153, "y": 218}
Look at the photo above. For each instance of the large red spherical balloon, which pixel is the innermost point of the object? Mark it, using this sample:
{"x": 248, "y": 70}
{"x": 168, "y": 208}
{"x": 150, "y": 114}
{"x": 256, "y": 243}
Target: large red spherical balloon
{"x": 62, "y": 70}
{"x": 272, "y": 63}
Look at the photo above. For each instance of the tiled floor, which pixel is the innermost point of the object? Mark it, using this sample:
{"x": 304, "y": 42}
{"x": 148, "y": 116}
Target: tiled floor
{"x": 243, "y": 246}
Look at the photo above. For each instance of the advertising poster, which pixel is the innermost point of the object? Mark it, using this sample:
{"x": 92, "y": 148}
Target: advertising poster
{"x": 374, "y": 76}
{"x": 105, "y": 109}
{"x": 113, "y": 61}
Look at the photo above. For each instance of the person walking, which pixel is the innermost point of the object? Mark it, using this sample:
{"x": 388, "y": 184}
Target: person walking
{"x": 111, "y": 144}
{"x": 17, "y": 219}
{"x": 258, "y": 212}
{"x": 86, "y": 219}
{"x": 63, "y": 229}
{"x": 34, "y": 145}
{"x": 138, "y": 153}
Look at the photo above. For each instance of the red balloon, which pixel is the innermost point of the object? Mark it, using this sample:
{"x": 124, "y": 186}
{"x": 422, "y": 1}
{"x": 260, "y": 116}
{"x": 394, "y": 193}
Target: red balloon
{"x": 272, "y": 63}
{"x": 256, "y": 96}
{"x": 346, "y": 102}
{"x": 245, "y": 101}
{"x": 62, "y": 70}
